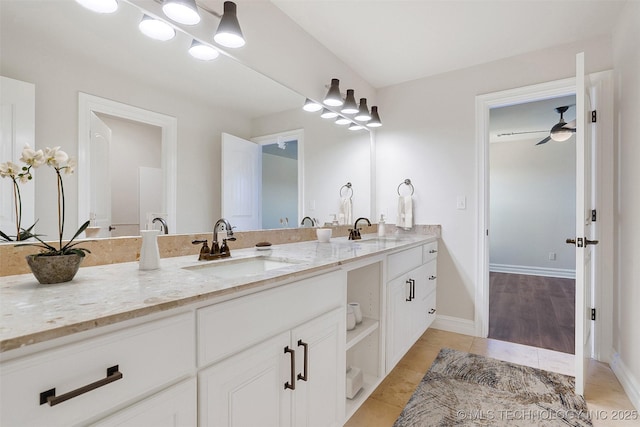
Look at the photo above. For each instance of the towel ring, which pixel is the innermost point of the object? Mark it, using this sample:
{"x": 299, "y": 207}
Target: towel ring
{"x": 406, "y": 182}
{"x": 348, "y": 187}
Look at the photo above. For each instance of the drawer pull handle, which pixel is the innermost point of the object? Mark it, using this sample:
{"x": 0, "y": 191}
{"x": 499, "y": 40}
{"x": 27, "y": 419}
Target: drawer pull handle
{"x": 49, "y": 396}
{"x": 291, "y": 385}
{"x": 433, "y": 251}
{"x": 432, "y": 277}
{"x": 304, "y": 377}
{"x": 433, "y": 310}
{"x": 412, "y": 289}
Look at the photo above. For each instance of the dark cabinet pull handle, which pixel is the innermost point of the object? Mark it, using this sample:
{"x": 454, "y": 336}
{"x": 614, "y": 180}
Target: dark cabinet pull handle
{"x": 433, "y": 251}
{"x": 433, "y": 310}
{"x": 291, "y": 385}
{"x": 432, "y": 277}
{"x": 49, "y": 396}
{"x": 410, "y": 282}
{"x": 413, "y": 289}
{"x": 304, "y": 377}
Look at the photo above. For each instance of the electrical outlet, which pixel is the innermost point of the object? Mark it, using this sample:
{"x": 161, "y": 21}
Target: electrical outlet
{"x": 461, "y": 202}
{"x": 552, "y": 256}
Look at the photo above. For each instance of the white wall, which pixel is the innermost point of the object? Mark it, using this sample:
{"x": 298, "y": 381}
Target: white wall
{"x": 626, "y": 338}
{"x": 429, "y": 137}
{"x": 532, "y": 206}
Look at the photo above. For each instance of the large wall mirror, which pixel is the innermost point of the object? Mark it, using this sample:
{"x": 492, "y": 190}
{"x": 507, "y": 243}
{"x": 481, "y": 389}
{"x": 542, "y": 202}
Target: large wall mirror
{"x": 66, "y": 50}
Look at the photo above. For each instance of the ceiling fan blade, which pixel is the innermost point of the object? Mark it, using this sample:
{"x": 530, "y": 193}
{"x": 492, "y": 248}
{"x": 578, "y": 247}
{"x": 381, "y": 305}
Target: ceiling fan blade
{"x": 544, "y": 141}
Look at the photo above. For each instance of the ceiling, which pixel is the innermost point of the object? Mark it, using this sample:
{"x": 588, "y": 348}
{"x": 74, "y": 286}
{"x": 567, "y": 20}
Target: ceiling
{"x": 393, "y": 41}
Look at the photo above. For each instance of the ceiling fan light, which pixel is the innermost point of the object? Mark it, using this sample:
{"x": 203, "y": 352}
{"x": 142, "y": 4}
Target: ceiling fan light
{"x": 375, "y": 118}
{"x": 202, "y": 51}
{"x": 182, "y": 11}
{"x": 561, "y": 135}
{"x": 229, "y": 33}
{"x": 363, "y": 112}
{"x": 99, "y": 6}
{"x": 156, "y": 29}
{"x": 334, "y": 98}
{"x": 311, "y": 106}
{"x": 350, "y": 106}
{"x": 328, "y": 114}
{"x": 343, "y": 121}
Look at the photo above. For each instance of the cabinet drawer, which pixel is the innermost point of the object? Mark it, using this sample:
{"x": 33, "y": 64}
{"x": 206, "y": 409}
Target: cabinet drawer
{"x": 148, "y": 356}
{"x": 429, "y": 251}
{"x": 229, "y": 327}
{"x": 404, "y": 261}
{"x": 430, "y": 308}
{"x": 431, "y": 276}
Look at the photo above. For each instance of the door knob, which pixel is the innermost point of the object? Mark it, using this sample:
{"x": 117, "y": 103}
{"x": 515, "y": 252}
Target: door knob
{"x": 590, "y": 242}
{"x": 571, "y": 241}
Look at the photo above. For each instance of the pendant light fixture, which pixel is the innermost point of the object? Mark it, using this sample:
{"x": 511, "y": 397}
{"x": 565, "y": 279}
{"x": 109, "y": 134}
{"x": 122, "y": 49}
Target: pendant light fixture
{"x": 350, "y": 106}
{"x": 202, "y": 51}
{"x": 355, "y": 126}
{"x": 156, "y": 29}
{"x": 334, "y": 98}
{"x": 311, "y": 106}
{"x": 100, "y": 6}
{"x": 375, "y": 118}
{"x": 328, "y": 114}
{"x": 229, "y": 33}
{"x": 343, "y": 121}
{"x": 182, "y": 11}
{"x": 363, "y": 112}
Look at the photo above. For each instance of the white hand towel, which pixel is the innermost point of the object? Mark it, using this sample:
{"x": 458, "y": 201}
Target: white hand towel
{"x": 405, "y": 212}
{"x": 346, "y": 207}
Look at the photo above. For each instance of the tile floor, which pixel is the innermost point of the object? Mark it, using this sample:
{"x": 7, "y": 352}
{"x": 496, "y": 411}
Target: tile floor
{"x": 604, "y": 394}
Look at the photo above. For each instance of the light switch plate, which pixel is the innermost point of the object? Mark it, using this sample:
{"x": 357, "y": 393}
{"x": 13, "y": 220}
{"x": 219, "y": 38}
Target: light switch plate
{"x": 461, "y": 202}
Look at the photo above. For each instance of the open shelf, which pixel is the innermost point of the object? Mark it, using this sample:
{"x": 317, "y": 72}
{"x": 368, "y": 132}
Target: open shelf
{"x": 361, "y": 331}
{"x": 370, "y": 384}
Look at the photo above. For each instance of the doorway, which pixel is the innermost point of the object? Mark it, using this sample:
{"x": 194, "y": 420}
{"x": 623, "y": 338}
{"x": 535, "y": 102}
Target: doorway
{"x": 532, "y": 187}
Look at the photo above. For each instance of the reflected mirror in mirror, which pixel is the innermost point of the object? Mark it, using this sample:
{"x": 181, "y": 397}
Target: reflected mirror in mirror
{"x": 65, "y": 49}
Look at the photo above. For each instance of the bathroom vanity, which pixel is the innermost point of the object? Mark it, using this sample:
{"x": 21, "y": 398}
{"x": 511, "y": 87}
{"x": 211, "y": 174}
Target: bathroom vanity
{"x": 256, "y": 339}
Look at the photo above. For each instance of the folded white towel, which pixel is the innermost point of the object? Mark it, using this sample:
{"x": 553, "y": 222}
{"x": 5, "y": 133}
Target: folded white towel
{"x": 346, "y": 208}
{"x": 405, "y": 212}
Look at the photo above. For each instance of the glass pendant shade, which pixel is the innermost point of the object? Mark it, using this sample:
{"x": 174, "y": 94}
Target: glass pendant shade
{"x": 229, "y": 33}
{"x": 375, "y": 118}
{"x": 343, "y": 121}
{"x": 334, "y": 98}
{"x": 100, "y": 6}
{"x": 363, "y": 112}
{"x": 202, "y": 51}
{"x": 311, "y": 106}
{"x": 350, "y": 106}
{"x": 328, "y": 114}
{"x": 182, "y": 11}
{"x": 156, "y": 29}
{"x": 355, "y": 126}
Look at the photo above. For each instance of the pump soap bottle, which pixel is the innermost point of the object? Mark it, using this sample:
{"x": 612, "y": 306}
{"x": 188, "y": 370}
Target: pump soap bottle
{"x": 381, "y": 229}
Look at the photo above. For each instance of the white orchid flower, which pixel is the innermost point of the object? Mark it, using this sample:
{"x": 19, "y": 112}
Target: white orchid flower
{"x": 9, "y": 169}
{"x": 32, "y": 157}
{"x": 55, "y": 157}
{"x": 71, "y": 166}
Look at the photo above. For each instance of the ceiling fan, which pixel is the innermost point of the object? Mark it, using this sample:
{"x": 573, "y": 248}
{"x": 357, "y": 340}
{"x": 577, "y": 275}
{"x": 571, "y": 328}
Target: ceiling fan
{"x": 562, "y": 130}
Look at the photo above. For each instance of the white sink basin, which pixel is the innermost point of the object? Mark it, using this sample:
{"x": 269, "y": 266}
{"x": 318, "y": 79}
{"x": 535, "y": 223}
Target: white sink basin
{"x": 233, "y": 268}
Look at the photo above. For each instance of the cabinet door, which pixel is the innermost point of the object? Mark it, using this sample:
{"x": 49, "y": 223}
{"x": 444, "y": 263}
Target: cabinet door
{"x": 319, "y": 398}
{"x": 399, "y": 321}
{"x": 247, "y": 389}
{"x": 174, "y": 407}
{"x": 423, "y": 287}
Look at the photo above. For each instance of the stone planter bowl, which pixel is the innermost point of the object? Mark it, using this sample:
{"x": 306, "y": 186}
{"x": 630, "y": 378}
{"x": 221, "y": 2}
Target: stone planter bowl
{"x": 54, "y": 269}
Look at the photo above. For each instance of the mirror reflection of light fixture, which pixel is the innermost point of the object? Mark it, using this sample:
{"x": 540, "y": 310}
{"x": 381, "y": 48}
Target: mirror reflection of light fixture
{"x": 334, "y": 98}
{"x": 100, "y": 6}
{"x": 182, "y": 11}
{"x": 156, "y": 29}
{"x": 559, "y": 133}
{"x": 350, "y": 106}
{"x": 202, "y": 51}
{"x": 343, "y": 121}
{"x": 355, "y": 126}
{"x": 375, "y": 118}
{"x": 229, "y": 33}
{"x": 363, "y": 112}
{"x": 311, "y": 106}
{"x": 328, "y": 114}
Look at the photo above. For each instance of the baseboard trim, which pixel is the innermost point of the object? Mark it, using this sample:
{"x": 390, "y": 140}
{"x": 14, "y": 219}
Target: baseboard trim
{"x": 533, "y": 271}
{"x": 454, "y": 324}
{"x": 629, "y": 383}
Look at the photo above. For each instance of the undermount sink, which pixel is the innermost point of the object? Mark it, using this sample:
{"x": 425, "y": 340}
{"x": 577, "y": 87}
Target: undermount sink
{"x": 233, "y": 268}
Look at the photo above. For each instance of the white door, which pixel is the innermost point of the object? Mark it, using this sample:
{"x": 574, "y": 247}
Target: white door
{"x": 17, "y": 128}
{"x": 584, "y": 231}
{"x": 100, "y": 185}
{"x": 241, "y": 182}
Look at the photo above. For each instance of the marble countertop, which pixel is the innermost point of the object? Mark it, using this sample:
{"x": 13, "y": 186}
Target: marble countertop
{"x": 107, "y": 294}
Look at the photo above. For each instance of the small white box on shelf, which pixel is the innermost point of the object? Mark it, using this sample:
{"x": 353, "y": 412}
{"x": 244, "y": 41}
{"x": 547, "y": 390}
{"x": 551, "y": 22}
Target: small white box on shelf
{"x": 354, "y": 381}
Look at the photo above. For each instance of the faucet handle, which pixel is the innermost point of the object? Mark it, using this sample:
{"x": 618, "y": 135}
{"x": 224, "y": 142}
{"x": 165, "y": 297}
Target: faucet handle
{"x": 205, "y": 248}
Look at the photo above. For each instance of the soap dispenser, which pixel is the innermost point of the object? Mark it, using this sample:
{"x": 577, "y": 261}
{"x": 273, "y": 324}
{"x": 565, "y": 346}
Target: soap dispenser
{"x": 381, "y": 229}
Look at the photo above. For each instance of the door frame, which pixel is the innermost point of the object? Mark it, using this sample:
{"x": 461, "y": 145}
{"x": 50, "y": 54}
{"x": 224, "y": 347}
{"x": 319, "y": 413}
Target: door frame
{"x": 603, "y": 294}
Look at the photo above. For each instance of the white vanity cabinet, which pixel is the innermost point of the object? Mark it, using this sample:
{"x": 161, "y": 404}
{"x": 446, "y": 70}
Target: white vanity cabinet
{"x": 411, "y": 298}
{"x": 276, "y": 358}
{"x": 77, "y": 383}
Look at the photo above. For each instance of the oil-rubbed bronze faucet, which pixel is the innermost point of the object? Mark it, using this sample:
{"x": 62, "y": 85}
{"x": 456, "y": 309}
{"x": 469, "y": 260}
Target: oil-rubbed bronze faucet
{"x": 216, "y": 251}
{"x": 313, "y": 221}
{"x": 354, "y": 234}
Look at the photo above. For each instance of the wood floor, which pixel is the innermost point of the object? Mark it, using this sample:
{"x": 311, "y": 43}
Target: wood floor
{"x": 532, "y": 310}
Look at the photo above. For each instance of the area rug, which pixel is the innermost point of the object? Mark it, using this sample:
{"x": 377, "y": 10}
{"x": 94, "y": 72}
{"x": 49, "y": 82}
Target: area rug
{"x": 463, "y": 389}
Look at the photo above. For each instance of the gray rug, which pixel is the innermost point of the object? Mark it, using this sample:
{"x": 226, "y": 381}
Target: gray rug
{"x": 462, "y": 389}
